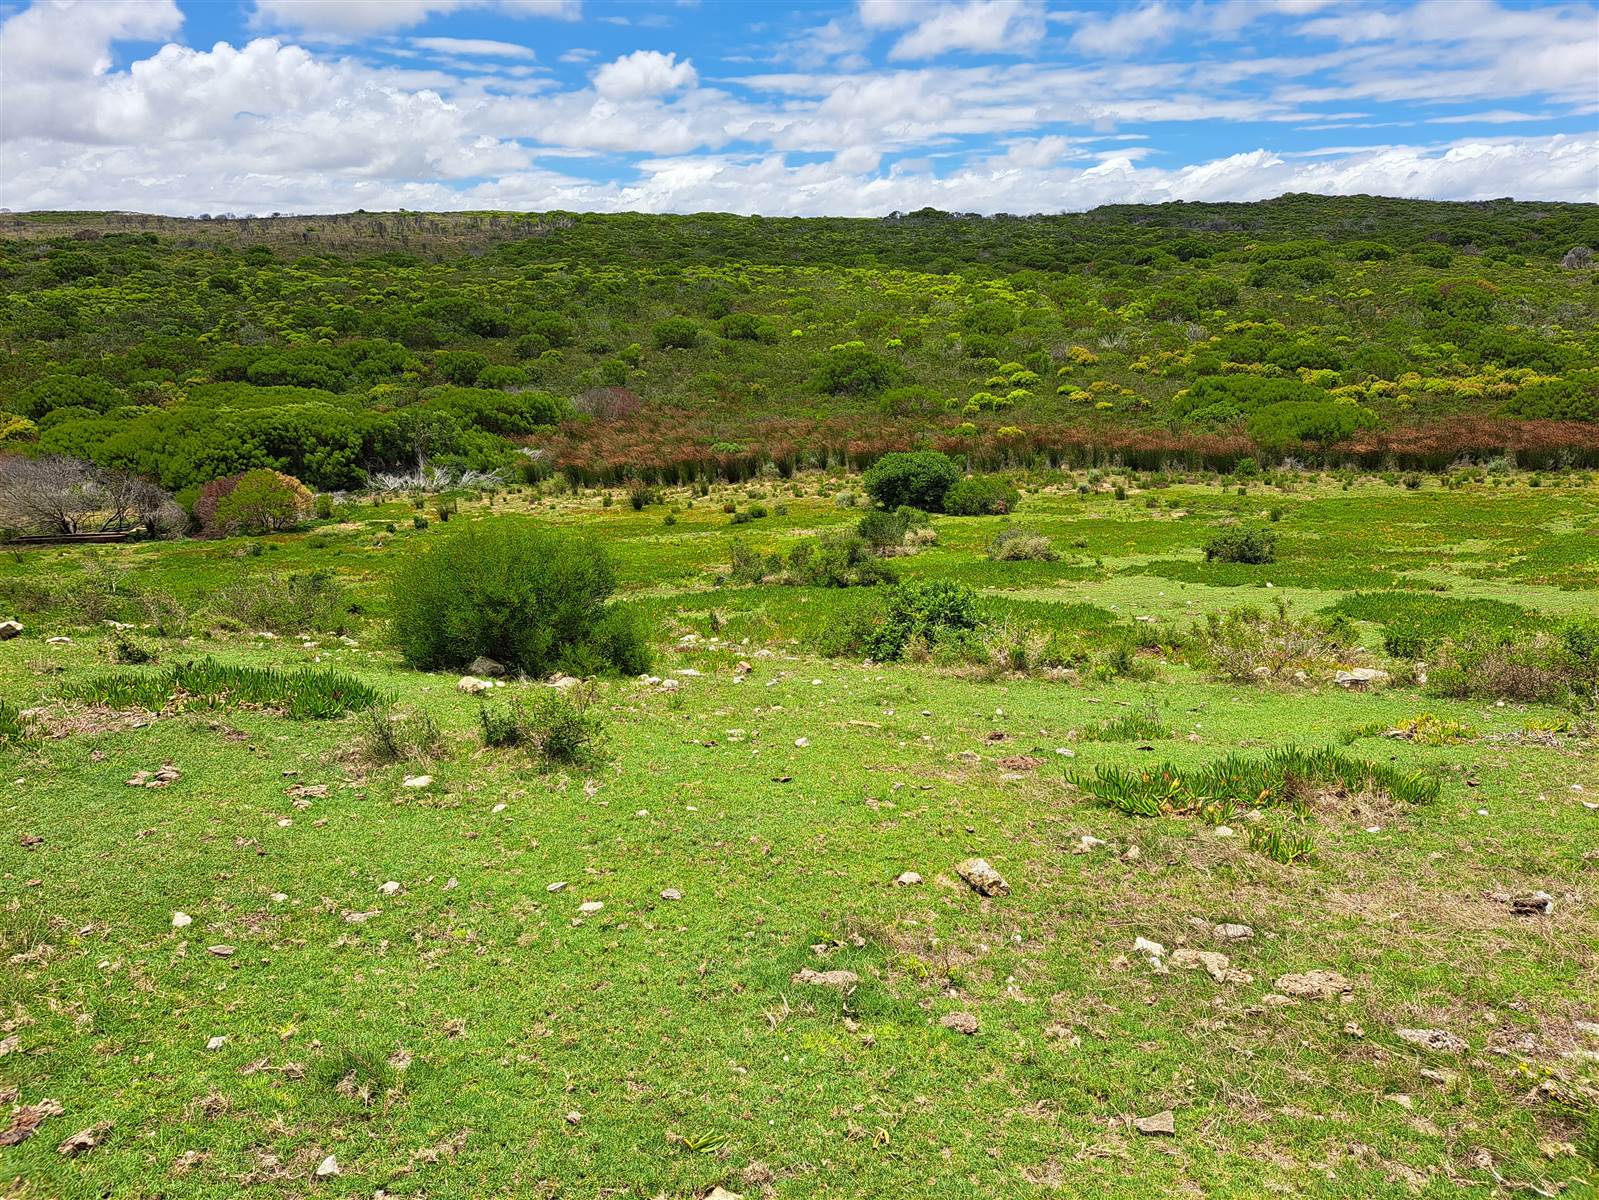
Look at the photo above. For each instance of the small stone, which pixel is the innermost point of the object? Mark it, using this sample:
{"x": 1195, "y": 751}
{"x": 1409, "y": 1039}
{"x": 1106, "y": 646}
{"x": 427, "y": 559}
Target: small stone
{"x": 1233, "y": 933}
{"x": 278, "y": 897}
{"x": 1432, "y": 1039}
{"x": 1215, "y": 965}
{"x": 558, "y": 886}
{"x": 833, "y": 979}
{"x": 1532, "y": 904}
{"x": 907, "y": 879}
{"x": 1151, "y": 949}
{"x": 217, "y": 1042}
{"x": 328, "y": 1168}
{"x": 960, "y": 1022}
{"x": 391, "y": 888}
{"x": 1132, "y": 854}
{"x": 83, "y": 1141}
{"x": 982, "y": 878}
{"x": 574, "y": 1117}
{"x": 472, "y": 685}
{"x": 671, "y": 894}
{"x": 1360, "y": 678}
{"x": 9, "y": 630}
{"x": 1223, "y": 831}
{"x": 181, "y": 920}
{"x": 590, "y": 907}
{"x": 1314, "y": 985}
{"x": 486, "y": 667}
{"x": 222, "y": 951}
{"x": 1161, "y": 1124}
{"x": 1087, "y": 844}
{"x": 417, "y": 781}
{"x": 802, "y": 742}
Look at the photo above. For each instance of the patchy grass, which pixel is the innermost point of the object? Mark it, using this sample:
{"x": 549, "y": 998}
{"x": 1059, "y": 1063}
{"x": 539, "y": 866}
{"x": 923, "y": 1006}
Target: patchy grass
{"x": 469, "y": 1031}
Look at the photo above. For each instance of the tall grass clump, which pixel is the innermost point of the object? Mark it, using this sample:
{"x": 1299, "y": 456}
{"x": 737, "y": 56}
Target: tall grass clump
{"x": 390, "y": 735}
{"x": 558, "y": 725}
{"x": 305, "y": 694}
{"x": 305, "y": 602}
{"x": 15, "y": 729}
{"x": 532, "y": 599}
{"x": 1290, "y": 777}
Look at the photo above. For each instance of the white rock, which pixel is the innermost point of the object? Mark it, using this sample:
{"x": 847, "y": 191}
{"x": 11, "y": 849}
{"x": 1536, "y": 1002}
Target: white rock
{"x": 588, "y": 907}
{"x": 328, "y": 1168}
{"x": 1088, "y": 843}
{"x": 471, "y": 685}
{"x": 802, "y": 742}
{"x": 1233, "y": 933}
{"x": 1223, "y": 831}
{"x": 391, "y": 888}
{"x": 181, "y": 919}
{"x": 907, "y": 879}
{"x": 217, "y": 1042}
{"x": 558, "y": 886}
{"x": 417, "y": 781}
{"x": 671, "y": 894}
{"x": 1142, "y": 945}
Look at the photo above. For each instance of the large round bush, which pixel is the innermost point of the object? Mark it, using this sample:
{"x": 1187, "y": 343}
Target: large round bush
{"x": 532, "y": 599}
{"x": 918, "y": 478}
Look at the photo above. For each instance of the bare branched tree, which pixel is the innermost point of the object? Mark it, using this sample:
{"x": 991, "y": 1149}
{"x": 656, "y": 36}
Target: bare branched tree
{"x": 60, "y": 495}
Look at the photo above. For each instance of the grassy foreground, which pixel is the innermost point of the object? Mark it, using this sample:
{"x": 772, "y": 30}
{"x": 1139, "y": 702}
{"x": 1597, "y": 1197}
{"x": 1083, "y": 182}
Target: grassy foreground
{"x": 471, "y": 1033}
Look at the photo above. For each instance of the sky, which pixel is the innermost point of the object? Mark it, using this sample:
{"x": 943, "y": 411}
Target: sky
{"x": 858, "y": 108}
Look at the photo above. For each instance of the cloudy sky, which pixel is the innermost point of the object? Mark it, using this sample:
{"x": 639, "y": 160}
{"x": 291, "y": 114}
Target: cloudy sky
{"x": 864, "y": 107}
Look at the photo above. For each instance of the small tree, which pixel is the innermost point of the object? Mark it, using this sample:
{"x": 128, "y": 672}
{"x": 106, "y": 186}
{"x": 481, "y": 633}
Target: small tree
{"x": 61, "y": 495}
{"x": 259, "y": 501}
{"x": 919, "y": 478}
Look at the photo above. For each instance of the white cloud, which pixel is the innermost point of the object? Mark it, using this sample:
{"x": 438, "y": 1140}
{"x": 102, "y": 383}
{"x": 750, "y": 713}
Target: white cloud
{"x": 269, "y": 125}
{"x": 1126, "y": 32}
{"x": 353, "y": 18}
{"x": 473, "y": 47}
{"x": 644, "y": 73}
{"x": 980, "y": 26}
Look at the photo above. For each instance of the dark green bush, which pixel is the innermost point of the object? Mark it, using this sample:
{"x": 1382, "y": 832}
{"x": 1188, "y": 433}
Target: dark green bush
{"x": 1242, "y": 545}
{"x": 559, "y": 725}
{"x": 917, "y": 479}
{"x": 530, "y": 598}
{"x": 852, "y": 369}
{"x": 981, "y": 496}
{"x": 676, "y": 333}
{"x": 930, "y": 610}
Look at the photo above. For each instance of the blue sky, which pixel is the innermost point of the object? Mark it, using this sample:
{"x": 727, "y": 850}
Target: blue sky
{"x": 853, "y": 108}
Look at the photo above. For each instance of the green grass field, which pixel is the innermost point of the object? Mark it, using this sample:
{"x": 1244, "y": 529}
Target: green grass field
{"x": 474, "y": 1033}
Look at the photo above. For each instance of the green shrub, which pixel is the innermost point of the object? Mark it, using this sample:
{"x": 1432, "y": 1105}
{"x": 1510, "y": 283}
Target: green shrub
{"x": 981, "y": 495}
{"x": 884, "y": 530}
{"x": 307, "y": 602}
{"x": 930, "y": 610}
{"x": 1558, "y": 667}
{"x": 1242, "y": 545}
{"x": 916, "y": 479}
{"x": 676, "y": 333}
{"x": 530, "y": 598}
{"x": 15, "y": 729}
{"x": 1021, "y": 545}
{"x": 852, "y": 369}
{"x": 389, "y": 735}
{"x": 559, "y": 725}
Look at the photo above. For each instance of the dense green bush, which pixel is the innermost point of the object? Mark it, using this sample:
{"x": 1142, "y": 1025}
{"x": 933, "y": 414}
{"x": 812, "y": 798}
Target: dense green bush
{"x": 560, "y": 725}
{"x": 929, "y": 611}
{"x": 676, "y": 333}
{"x": 852, "y": 369}
{"x": 1242, "y": 545}
{"x": 981, "y": 496}
{"x": 532, "y": 599}
{"x": 916, "y": 478}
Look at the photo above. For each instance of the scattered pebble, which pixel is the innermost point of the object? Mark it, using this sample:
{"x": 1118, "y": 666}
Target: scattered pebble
{"x": 907, "y": 879}
{"x": 1314, "y": 985}
{"x": 417, "y": 781}
{"x": 833, "y": 979}
{"x": 982, "y": 878}
{"x": 1432, "y": 1039}
{"x": 328, "y": 1168}
{"x": 960, "y": 1022}
{"x": 181, "y": 919}
{"x": 1163, "y": 1123}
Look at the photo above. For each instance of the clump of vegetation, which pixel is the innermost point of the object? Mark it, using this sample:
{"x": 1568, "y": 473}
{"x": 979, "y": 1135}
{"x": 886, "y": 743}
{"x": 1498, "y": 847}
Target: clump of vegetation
{"x": 303, "y": 602}
{"x": 395, "y": 735}
{"x": 530, "y": 598}
{"x": 560, "y": 725}
{"x": 913, "y": 619}
{"x": 886, "y": 532}
{"x": 835, "y": 559}
{"x": 1424, "y": 729}
{"x": 1558, "y": 667}
{"x": 1289, "y": 777}
{"x": 1242, "y": 545}
{"x": 1249, "y": 644}
{"x": 259, "y": 501}
{"x": 1021, "y": 545}
{"x": 914, "y": 479}
{"x": 981, "y": 496}
{"x": 308, "y": 693}
{"x": 15, "y": 728}
{"x": 1141, "y": 725}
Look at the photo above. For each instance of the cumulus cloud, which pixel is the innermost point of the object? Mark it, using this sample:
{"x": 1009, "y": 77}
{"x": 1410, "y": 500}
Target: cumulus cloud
{"x": 644, "y": 73}
{"x": 269, "y": 125}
